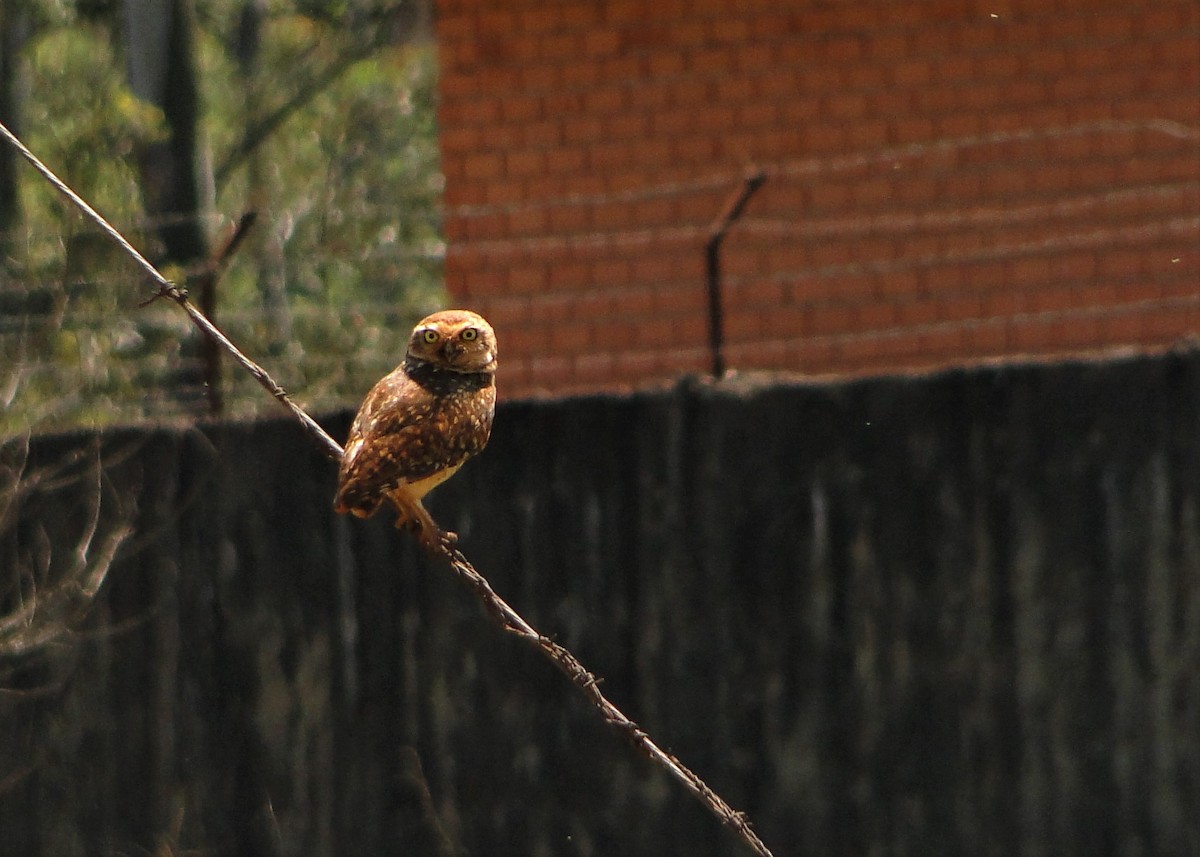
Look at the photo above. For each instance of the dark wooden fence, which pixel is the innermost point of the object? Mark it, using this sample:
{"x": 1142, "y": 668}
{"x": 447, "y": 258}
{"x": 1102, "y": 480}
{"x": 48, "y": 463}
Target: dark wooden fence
{"x": 939, "y": 616}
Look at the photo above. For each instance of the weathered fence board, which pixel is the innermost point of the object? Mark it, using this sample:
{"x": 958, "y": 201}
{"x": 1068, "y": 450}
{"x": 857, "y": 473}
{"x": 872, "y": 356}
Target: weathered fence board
{"x": 946, "y": 615}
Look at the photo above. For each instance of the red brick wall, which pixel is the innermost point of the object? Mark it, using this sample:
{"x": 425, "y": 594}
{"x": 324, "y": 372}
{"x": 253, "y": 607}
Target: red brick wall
{"x": 947, "y": 182}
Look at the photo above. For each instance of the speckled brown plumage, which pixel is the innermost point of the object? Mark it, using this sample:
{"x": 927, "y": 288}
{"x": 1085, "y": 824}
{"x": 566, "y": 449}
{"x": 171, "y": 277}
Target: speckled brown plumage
{"x": 422, "y": 421}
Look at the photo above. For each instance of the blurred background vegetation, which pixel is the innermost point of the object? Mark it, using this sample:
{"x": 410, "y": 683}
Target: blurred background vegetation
{"x": 174, "y": 118}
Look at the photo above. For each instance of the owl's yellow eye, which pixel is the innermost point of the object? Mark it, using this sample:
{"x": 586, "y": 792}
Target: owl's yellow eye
{"x": 470, "y": 334}
{"x": 430, "y": 336}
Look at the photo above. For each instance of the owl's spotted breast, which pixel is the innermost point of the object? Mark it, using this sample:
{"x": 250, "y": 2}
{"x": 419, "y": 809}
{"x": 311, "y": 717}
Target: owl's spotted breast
{"x": 409, "y": 431}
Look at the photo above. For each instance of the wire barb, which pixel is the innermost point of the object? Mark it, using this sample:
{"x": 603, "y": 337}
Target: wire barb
{"x": 165, "y": 290}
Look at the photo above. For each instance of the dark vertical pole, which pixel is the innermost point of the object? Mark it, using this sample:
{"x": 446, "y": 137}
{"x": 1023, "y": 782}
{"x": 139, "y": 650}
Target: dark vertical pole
{"x": 210, "y": 352}
{"x": 161, "y": 69}
{"x": 712, "y": 266}
{"x": 205, "y": 283}
{"x": 12, "y": 34}
{"x": 716, "y": 319}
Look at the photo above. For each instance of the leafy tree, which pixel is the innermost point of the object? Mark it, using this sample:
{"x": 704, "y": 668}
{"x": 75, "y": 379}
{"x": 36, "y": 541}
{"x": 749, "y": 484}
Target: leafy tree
{"x": 319, "y": 116}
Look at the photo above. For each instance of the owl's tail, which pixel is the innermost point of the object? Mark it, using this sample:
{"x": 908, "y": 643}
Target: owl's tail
{"x": 349, "y": 501}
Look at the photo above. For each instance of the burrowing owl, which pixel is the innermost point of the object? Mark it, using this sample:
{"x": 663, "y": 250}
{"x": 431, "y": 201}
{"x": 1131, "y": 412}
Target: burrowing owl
{"x": 422, "y": 421}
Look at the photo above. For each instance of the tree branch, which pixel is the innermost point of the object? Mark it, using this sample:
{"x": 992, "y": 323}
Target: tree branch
{"x": 56, "y": 604}
{"x": 260, "y": 131}
{"x": 504, "y": 615}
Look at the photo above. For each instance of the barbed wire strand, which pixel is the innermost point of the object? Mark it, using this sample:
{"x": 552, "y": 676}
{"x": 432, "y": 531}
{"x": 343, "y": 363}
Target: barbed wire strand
{"x": 604, "y": 241}
{"x": 720, "y": 181}
{"x": 957, "y": 217}
{"x": 1012, "y": 320}
{"x": 497, "y": 608}
{"x": 1134, "y": 235}
{"x": 421, "y": 250}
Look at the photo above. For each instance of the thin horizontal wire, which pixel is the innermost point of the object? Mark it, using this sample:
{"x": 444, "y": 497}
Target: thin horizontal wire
{"x": 238, "y": 319}
{"x": 1131, "y": 234}
{"x": 910, "y": 151}
{"x": 162, "y": 400}
{"x": 713, "y": 181}
{"x": 840, "y": 163}
{"x": 45, "y": 280}
{"x": 615, "y": 240}
{"x": 1114, "y": 310}
{"x": 961, "y": 216}
{"x": 397, "y": 252}
{"x": 582, "y": 240}
{"x": 1071, "y": 241}
{"x": 173, "y": 376}
{"x": 216, "y": 221}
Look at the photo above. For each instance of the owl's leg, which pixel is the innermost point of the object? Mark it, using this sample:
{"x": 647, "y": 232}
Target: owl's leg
{"x": 411, "y": 514}
{"x": 403, "y": 519}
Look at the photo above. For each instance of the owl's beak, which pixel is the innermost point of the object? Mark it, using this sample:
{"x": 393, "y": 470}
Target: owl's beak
{"x": 451, "y": 350}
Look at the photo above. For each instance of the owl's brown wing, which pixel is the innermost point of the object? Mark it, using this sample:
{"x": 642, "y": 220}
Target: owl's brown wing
{"x": 403, "y": 433}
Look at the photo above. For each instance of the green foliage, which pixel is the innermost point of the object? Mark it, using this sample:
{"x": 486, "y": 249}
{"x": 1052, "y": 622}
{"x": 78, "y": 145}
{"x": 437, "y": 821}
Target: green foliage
{"x": 345, "y": 254}
{"x": 79, "y": 116}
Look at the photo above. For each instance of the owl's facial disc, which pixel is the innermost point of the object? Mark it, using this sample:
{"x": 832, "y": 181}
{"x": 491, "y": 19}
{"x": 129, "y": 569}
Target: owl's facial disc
{"x": 458, "y": 340}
